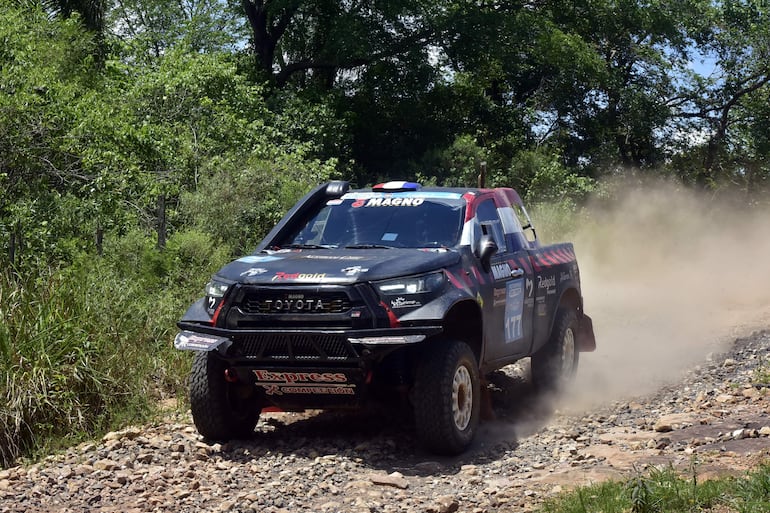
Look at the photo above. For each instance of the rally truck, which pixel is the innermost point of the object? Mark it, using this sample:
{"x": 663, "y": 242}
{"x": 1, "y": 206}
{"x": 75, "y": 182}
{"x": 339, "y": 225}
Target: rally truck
{"x": 394, "y": 290}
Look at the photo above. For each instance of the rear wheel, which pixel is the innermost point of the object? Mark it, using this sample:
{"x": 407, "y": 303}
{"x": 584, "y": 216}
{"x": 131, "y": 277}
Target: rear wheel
{"x": 554, "y": 365}
{"x": 221, "y": 410}
{"x": 447, "y": 398}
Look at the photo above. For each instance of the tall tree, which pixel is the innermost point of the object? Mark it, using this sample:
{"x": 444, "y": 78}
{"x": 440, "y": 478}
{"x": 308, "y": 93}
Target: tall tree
{"x": 151, "y": 28}
{"x": 728, "y": 105}
{"x": 44, "y": 76}
{"x": 612, "y": 113}
{"x": 321, "y": 38}
{"x": 91, "y": 13}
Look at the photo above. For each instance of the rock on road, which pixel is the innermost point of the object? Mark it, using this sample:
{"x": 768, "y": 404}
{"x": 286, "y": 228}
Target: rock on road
{"x": 717, "y": 416}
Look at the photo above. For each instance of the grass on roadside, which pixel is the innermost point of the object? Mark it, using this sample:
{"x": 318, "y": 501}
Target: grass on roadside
{"x": 87, "y": 347}
{"x": 761, "y": 374}
{"x": 666, "y": 491}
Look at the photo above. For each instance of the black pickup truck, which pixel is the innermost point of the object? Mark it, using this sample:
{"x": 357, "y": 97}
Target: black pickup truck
{"x": 395, "y": 289}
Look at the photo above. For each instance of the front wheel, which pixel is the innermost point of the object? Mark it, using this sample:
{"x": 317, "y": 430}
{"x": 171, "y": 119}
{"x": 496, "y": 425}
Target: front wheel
{"x": 221, "y": 410}
{"x": 447, "y": 397}
{"x": 554, "y": 365}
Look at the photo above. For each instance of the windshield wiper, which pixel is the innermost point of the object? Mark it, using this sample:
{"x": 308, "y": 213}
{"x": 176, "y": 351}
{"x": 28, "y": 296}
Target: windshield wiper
{"x": 368, "y": 246}
{"x": 309, "y": 246}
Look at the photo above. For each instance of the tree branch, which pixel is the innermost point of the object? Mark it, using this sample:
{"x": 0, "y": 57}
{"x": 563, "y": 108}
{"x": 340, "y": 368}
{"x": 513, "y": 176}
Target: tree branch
{"x": 353, "y": 62}
{"x": 277, "y": 30}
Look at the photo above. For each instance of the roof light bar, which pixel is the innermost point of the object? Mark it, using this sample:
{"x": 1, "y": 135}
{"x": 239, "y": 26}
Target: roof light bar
{"x": 396, "y": 187}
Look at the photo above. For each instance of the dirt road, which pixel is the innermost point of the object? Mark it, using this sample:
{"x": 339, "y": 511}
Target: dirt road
{"x": 715, "y": 419}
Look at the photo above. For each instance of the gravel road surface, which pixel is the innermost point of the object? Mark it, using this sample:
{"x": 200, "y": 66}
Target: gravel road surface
{"x": 716, "y": 417}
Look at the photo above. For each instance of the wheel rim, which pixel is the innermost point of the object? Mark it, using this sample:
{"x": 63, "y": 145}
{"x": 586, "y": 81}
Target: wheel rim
{"x": 568, "y": 353}
{"x": 462, "y": 397}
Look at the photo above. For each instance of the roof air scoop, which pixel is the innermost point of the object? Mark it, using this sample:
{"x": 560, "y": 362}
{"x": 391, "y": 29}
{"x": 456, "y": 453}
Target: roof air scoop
{"x": 337, "y": 188}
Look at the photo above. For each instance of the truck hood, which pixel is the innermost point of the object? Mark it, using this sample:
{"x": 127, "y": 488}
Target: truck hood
{"x": 335, "y": 265}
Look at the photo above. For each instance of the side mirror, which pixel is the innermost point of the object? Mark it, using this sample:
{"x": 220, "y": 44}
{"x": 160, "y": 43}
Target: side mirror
{"x": 487, "y": 248}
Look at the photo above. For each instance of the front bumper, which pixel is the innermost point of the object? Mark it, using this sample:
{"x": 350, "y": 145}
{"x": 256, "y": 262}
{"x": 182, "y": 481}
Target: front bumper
{"x": 302, "y": 368}
{"x": 300, "y": 347}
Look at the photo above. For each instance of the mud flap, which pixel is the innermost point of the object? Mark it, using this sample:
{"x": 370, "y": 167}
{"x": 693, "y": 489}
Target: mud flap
{"x": 586, "y": 341}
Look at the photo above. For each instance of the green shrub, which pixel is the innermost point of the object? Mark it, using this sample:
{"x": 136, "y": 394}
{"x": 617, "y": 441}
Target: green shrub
{"x": 87, "y": 346}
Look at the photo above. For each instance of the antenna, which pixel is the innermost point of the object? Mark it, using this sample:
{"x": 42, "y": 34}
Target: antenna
{"x": 482, "y": 173}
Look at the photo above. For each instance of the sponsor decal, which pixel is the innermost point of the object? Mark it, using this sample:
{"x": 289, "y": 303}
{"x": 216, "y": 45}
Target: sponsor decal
{"x": 300, "y": 377}
{"x": 402, "y": 302}
{"x": 310, "y": 389}
{"x": 499, "y": 297}
{"x": 316, "y": 383}
{"x": 565, "y": 276}
{"x": 295, "y": 304}
{"x": 548, "y": 283}
{"x": 530, "y": 287}
{"x": 354, "y": 270}
{"x": 282, "y": 276}
{"x": 254, "y": 259}
{"x": 501, "y": 271}
{"x": 187, "y": 340}
{"x": 514, "y": 308}
{"x": 254, "y": 271}
{"x": 333, "y": 257}
{"x": 388, "y": 202}
{"x": 333, "y": 202}
{"x": 213, "y": 302}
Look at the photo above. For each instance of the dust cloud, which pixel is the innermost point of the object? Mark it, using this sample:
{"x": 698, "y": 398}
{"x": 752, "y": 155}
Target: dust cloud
{"x": 669, "y": 276}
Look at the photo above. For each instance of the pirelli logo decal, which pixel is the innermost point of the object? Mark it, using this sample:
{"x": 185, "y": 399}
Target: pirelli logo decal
{"x": 313, "y": 383}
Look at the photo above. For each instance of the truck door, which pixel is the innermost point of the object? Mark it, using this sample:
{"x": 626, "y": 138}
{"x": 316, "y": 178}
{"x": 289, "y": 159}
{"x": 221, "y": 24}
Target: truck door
{"x": 507, "y": 326}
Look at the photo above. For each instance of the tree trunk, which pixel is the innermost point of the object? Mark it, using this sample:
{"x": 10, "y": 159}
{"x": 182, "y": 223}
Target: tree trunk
{"x": 161, "y": 222}
{"x": 15, "y": 246}
{"x": 264, "y": 44}
{"x": 99, "y": 238}
{"x": 12, "y": 249}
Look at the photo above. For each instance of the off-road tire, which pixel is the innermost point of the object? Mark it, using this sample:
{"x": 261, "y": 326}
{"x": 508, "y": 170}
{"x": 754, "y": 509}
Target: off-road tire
{"x": 554, "y": 365}
{"x": 221, "y": 410}
{"x": 447, "y": 397}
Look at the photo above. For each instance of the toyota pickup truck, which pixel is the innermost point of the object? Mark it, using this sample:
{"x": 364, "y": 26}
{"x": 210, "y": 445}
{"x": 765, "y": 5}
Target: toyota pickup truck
{"x": 395, "y": 289}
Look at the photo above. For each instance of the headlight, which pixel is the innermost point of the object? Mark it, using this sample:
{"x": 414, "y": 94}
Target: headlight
{"x": 216, "y": 288}
{"x": 412, "y": 285}
{"x": 215, "y": 291}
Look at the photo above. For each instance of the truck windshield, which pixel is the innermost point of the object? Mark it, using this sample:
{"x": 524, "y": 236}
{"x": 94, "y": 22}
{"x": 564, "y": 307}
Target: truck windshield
{"x": 371, "y": 220}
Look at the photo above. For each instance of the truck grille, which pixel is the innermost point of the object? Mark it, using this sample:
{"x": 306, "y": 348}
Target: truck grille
{"x": 295, "y": 303}
{"x": 295, "y": 347}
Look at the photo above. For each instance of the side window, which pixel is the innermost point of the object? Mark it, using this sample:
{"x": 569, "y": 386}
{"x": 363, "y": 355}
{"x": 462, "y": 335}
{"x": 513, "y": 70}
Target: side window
{"x": 486, "y": 214}
{"x": 526, "y": 223}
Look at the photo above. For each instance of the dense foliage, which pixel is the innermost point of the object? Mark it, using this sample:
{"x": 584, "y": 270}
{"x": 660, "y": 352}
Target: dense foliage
{"x": 144, "y": 143}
